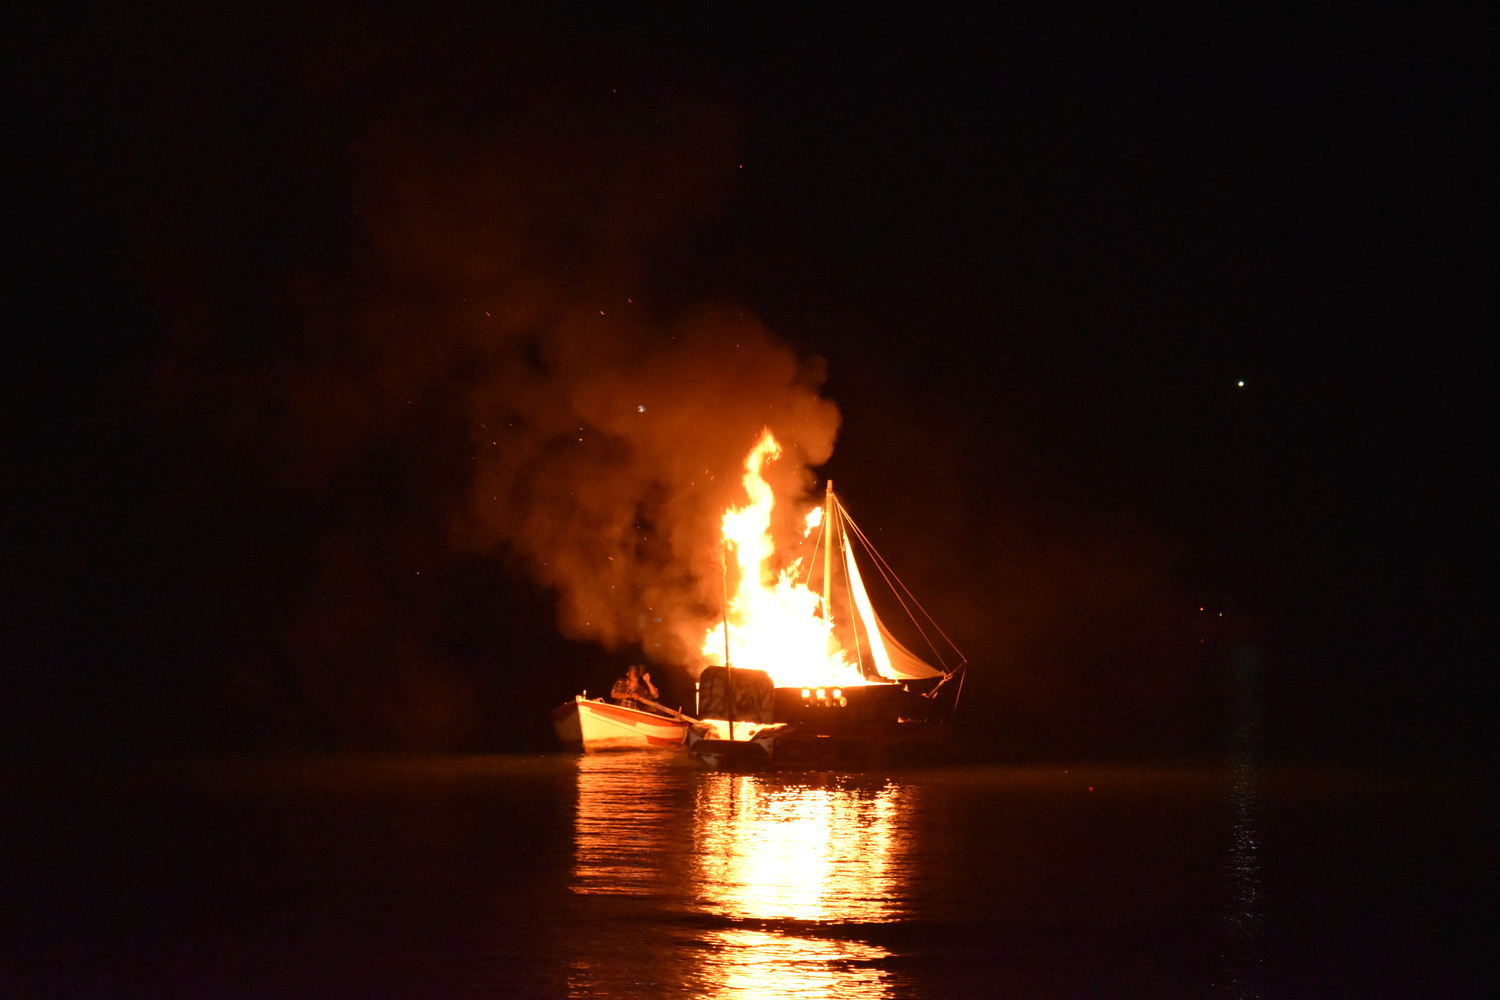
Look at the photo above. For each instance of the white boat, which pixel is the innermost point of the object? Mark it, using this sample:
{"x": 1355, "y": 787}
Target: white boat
{"x": 596, "y": 724}
{"x": 896, "y": 714}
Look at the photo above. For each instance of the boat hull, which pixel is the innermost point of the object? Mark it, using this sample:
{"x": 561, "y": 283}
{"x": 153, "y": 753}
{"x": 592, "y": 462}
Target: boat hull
{"x": 795, "y": 746}
{"x": 600, "y": 725}
{"x": 729, "y": 753}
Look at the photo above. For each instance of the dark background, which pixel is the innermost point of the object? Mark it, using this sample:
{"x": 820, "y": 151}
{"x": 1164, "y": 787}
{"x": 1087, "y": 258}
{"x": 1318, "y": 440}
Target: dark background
{"x": 1037, "y": 262}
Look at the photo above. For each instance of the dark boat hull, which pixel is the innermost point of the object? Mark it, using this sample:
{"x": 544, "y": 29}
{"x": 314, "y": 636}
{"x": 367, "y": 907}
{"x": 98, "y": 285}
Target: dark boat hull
{"x": 796, "y": 746}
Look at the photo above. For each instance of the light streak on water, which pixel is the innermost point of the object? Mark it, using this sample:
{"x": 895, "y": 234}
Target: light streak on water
{"x": 769, "y": 872}
{"x": 790, "y": 857}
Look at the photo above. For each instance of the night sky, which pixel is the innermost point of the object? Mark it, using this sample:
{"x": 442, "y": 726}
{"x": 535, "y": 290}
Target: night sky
{"x": 269, "y": 275}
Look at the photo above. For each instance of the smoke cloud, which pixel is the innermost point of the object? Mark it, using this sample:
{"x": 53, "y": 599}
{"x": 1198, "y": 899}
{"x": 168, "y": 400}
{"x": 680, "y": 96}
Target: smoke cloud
{"x": 607, "y": 454}
{"x": 605, "y": 442}
{"x": 357, "y": 321}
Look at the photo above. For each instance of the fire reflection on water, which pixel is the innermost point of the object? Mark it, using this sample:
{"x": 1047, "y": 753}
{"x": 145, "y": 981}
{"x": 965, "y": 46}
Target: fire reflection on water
{"x": 785, "y": 859}
{"x": 750, "y": 965}
{"x": 626, "y": 816}
{"x": 771, "y": 877}
{"x": 794, "y": 852}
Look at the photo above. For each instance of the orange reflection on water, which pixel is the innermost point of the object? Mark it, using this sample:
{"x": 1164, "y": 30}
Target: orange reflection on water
{"x": 760, "y": 965}
{"x": 627, "y": 817}
{"x": 788, "y": 864}
{"x": 720, "y": 885}
{"x": 799, "y": 852}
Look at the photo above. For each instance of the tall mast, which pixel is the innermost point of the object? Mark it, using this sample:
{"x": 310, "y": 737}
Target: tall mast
{"x": 728, "y": 668}
{"x": 829, "y": 534}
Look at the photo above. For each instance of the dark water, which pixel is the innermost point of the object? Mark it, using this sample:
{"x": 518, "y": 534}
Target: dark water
{"x": 645, "y": 875}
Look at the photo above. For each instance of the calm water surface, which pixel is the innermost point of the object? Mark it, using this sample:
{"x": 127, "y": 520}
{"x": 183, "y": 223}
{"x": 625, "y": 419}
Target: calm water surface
{"x": 646, "y": 875}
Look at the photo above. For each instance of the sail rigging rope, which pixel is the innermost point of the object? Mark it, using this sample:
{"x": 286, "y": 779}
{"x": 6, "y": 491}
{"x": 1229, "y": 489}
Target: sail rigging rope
{"x": 859, "y": 656}
{"x": 899, "y": 588}
{"x": 817, "y": 547}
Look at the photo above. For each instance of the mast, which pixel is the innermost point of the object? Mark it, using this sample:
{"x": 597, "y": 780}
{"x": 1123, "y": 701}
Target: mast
{"x": 728, "y": 669}
{"x": 828, "y": 534}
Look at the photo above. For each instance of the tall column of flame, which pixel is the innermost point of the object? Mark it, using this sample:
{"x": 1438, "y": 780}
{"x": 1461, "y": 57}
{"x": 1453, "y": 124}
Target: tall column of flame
{"x": 772, "y": 618}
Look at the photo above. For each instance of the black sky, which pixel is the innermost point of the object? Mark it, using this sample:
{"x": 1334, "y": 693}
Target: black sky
{"x": 248, "y": 254}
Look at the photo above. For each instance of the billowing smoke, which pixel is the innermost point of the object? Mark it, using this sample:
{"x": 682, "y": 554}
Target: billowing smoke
{"x": 407, "y": 299}
{"x": 607, "y": 453}
{"x": 606, "y": 442}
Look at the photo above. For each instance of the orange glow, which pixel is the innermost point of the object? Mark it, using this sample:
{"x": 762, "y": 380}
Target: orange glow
{"x": 783, "y": 858}
{"x": 773, "y": 865}
{"x": 774, "y": 620}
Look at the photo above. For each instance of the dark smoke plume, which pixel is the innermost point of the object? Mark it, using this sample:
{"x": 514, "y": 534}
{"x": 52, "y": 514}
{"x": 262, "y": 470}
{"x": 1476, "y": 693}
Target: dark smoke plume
{"x": 606, "y": 443}
{"x": 606, "y": 456}
{"x": 342, "y": 324}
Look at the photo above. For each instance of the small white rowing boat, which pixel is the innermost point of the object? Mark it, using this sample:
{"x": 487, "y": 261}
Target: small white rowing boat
{"x": 595, "y": 724}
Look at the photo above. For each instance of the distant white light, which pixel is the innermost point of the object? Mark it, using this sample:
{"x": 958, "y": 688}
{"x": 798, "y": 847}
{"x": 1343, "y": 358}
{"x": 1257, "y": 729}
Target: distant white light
{"x": 642, "y": 409}
{"x": 1240, "y": 384}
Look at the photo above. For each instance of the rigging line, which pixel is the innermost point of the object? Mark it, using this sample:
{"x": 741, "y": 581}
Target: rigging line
{"x": 859, "y": 656}
{"x": 934, "y": 652}
{"x": 890, "y": 574}
{"x": 894, "y": 582}
{"x": 806, "y": 581}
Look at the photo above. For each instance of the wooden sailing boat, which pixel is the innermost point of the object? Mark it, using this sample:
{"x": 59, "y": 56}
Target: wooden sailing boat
{"x": 896, "y": 712}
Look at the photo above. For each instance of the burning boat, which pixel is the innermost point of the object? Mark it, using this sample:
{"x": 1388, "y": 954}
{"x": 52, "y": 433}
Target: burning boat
{"x": 804, "y": 671}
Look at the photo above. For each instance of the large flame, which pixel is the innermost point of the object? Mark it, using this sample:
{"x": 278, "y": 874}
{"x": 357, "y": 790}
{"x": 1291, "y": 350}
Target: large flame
{"x": 773, "y": 619}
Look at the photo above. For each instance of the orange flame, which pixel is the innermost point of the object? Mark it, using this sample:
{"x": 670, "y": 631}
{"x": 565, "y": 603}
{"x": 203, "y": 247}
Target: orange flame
{"x": 773, "y": 619}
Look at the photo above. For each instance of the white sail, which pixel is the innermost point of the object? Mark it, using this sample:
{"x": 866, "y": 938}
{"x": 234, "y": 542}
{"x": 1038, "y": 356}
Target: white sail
{"x": 893, "y": 661}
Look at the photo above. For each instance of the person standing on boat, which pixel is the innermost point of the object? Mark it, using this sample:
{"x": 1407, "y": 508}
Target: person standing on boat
{"x": 635, "y": 689}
